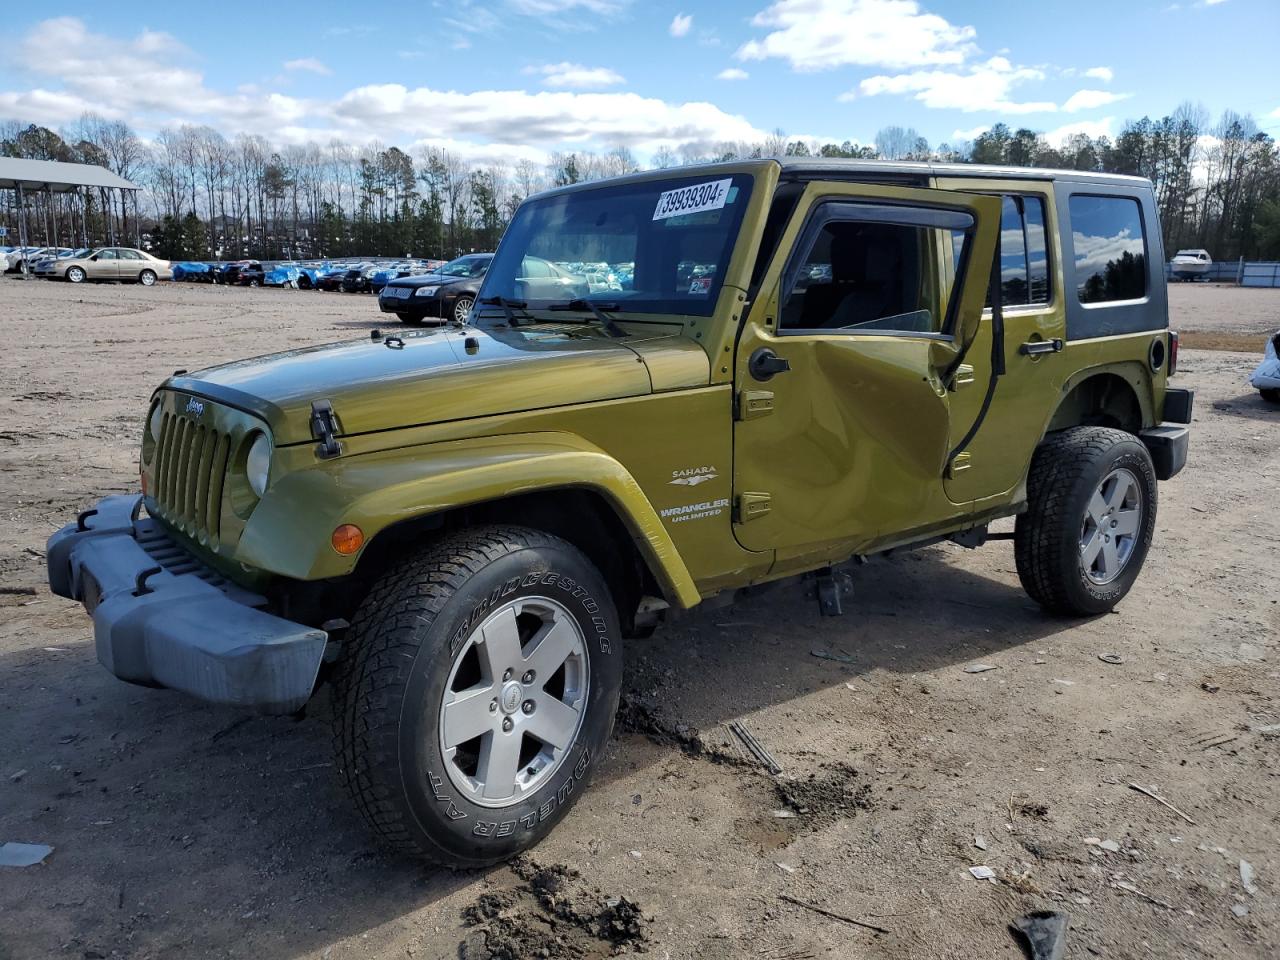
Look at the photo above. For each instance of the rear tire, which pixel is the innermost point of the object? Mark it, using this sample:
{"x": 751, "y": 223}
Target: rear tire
{"x": 147, "y": 278}
{"x": 1091, "y": 514}
{"x": 462, "y": 308}
{"x": 448, "y": 682}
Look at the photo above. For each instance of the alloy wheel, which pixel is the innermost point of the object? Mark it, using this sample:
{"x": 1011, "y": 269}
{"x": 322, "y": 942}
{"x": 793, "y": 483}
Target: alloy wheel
{"x": 514, "y": 701}
{"x": 1112, "y": 521}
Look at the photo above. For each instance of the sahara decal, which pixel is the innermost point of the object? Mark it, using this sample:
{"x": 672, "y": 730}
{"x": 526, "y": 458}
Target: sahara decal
{"x": 692, "y": 476}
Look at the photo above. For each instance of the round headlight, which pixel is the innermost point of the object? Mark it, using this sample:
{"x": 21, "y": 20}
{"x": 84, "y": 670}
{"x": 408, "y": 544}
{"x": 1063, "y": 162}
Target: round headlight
{"x": 258, "y": 463}
{"x": 156, "y": 422}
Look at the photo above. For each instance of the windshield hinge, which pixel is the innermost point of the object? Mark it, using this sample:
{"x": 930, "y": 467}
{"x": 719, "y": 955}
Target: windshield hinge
{"x": 752, "y": 404}
{"x": 324, "y": 427}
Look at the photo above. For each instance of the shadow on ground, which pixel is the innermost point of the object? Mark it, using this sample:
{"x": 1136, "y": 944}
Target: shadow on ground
{"x": 183, "y": 828}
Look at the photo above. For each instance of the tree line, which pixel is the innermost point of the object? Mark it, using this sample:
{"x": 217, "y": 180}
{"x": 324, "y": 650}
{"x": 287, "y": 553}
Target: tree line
{"x": 209, "y": 197}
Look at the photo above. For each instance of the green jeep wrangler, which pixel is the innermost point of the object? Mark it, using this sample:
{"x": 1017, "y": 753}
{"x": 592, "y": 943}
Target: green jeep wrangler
{"x": 803, "y": 363}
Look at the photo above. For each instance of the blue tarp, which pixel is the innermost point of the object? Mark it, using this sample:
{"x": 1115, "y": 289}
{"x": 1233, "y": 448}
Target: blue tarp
{"x": 186, "y": 270}
{"x": 281, "y": 276}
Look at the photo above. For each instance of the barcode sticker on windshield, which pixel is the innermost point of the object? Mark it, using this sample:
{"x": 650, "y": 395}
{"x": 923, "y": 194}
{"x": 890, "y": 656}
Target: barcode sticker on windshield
{"x": 694, "y": 199}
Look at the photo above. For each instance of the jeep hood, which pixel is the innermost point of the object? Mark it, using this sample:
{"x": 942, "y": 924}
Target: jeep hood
{"x": 449, "y": 374}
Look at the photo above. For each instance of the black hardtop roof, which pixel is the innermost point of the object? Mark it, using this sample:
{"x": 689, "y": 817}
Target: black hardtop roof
{"x": 799, "y": 168}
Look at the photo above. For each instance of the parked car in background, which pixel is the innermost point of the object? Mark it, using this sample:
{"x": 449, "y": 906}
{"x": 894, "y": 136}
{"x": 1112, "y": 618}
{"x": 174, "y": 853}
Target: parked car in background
{"x": 358, "y": 279}
{"x": 331, "y": 279}
{"x": 448, "y": 293}
{"x": 16, "y": 259}
{"x": 283, "y": 276}
{"x": 1267, "y": 377}
{"x": 1191, "y": 265}
{"x": 116, "y": 263}
{"x": 47, "y": 265}
{"x": 247, "y": 273}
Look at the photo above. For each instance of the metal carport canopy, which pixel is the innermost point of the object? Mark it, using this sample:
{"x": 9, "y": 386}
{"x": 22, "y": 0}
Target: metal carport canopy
{"x": 56, "y": 176}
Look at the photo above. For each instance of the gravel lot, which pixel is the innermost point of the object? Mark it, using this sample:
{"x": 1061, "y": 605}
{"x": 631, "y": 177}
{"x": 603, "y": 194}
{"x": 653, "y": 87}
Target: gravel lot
{"x": 182, "y": 830}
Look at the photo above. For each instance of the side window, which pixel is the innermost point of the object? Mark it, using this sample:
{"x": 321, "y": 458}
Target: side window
{"x": 534, "y": 268}
{"x": 1111, "y": 261}
{"x": 130, "y": 255}
{"x": 869, "y": 268}
{"x": 106, "y": 255}
{"x": 1024, "y": 255}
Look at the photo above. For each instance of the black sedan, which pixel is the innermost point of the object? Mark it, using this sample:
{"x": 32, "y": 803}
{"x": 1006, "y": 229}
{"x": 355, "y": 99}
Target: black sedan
{"x": 445, "y": 294}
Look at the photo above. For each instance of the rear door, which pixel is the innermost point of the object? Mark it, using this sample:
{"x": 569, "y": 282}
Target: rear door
{"x": 995, "y": 460}
{"x": 843, "y": 369}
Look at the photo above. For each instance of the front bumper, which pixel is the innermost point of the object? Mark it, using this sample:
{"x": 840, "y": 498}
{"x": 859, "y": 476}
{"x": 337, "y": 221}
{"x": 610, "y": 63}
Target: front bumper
{"x": 163, "y": 619}
{"x": 412, "y": 306}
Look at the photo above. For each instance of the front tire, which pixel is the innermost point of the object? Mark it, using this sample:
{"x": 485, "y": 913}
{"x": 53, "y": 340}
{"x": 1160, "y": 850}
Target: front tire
{"x": 475, "y": 691}
{"x": 1091, "y": 514}
{"x": 462, "y": 308}
{"x": 409, "y": 319}
{"x": 76, "y": 275}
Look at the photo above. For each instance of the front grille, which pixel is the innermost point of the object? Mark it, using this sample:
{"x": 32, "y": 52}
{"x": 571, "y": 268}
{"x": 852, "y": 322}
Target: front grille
{"x": 190, "y": 467}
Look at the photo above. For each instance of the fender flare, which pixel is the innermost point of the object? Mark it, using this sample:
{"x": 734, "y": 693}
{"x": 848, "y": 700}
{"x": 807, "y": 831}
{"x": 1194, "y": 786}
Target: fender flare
{"x": 1136, "y": 376}
{"x": 289, "y": 530}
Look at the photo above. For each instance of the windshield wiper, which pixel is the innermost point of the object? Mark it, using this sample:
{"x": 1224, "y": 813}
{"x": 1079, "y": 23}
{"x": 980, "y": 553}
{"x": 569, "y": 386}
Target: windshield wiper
{"x": 598, "y": 309}
{"x": 508, "y": 307}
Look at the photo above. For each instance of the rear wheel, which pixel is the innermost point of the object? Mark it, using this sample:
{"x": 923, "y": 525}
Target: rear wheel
{"x": 76, "y": 274}
{"x": 254, "y": 283}
{"x": 1090, "y": 517}
{"x": 147, "y": 278}
{"x": 475, "y": 690}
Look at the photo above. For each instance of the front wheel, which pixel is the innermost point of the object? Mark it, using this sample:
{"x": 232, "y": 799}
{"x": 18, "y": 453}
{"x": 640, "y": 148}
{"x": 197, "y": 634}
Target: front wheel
{"x": 475, "y": 691}
{"x": 410, "y": 319}
{"x": 1090, "y": 517}
{"x": 147, "y": 278}
{"x": 76, "y": 274}
{"x": 462, "y": 308}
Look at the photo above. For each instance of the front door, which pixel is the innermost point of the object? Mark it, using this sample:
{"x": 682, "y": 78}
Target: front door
{"x": 846, "y": 365}
{"x": 105, "y": 265}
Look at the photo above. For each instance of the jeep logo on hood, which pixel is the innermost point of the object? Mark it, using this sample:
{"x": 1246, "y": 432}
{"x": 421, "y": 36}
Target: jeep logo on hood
{"x": 195, "y": 407}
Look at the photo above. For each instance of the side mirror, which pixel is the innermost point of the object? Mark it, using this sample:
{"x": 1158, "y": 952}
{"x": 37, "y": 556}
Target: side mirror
{"x": 94, "y": 257}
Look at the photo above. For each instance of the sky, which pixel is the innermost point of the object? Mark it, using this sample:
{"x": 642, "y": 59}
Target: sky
{"x": 505, "y": 79}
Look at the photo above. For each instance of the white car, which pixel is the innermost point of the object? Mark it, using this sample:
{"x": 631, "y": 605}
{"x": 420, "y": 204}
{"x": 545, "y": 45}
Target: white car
{"x": 1267, "y": 377}
{"x": 14, "y": 258}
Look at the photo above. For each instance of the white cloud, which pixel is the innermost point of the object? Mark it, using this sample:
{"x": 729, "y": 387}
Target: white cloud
{"x": 1105, "y": 74}
{"x": 680, "y": 24}
{"x": 308, "y": 65}
{"x": 145, "y": 81}
{"x": 973, "y": 133}
{"x": 576, "y": 76}
{"x": 983, "y": 86}
{"x": 1091, "y": 128}
{"x": 824, "y": 34}
{"x": 732, "y": 73}
{"x": 1275, "y": 113}
{"x": 1091, "y": 100}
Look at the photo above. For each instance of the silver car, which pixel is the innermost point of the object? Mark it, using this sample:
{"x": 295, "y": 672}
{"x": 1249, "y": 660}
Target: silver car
{"x": 116, "y": 263}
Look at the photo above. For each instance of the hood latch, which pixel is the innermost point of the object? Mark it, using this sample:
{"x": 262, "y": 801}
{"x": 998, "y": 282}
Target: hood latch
{"x": 324, "y": 427}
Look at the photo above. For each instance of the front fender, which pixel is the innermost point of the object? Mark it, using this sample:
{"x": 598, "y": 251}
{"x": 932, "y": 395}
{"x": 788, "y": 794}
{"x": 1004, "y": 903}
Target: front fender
{"x": 289, "y": 531}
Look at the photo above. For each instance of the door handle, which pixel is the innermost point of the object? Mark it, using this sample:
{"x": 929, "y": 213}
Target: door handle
{"x": 764, "y": 363}
{"x": 1033, "y": 348}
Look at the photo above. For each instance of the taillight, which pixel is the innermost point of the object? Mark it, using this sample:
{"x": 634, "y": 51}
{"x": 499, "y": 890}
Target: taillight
{"x": 1173, "y": 352}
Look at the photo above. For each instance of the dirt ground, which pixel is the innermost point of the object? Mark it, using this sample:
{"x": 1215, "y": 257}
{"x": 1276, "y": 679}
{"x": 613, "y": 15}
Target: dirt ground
{"x": 182, "y": 830}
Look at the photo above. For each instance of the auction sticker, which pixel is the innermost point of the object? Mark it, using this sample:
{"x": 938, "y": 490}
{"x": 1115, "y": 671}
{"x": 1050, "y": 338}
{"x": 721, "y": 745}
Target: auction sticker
{"x": 701, "y": 196}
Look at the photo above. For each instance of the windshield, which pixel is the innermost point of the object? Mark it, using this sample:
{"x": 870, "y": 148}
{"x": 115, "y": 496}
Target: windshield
{"x": 465, "y": 267}
{"x": 660, "y": 246}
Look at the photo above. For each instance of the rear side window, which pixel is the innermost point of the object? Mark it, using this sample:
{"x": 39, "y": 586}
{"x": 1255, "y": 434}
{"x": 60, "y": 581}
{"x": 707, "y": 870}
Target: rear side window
{"x": 1111, "y": 261}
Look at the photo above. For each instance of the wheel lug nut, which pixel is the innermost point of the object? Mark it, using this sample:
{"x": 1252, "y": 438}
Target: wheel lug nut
{"x": 527, "y": 707}
{"x": 527, "y": 678}
{"x": 506, "y": 675}
{"x": 493, "y": 706}
{"x": 507, "y": 724}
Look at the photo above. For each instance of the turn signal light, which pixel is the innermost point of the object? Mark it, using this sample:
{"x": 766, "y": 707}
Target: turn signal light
{"x": 347, "y": 539}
